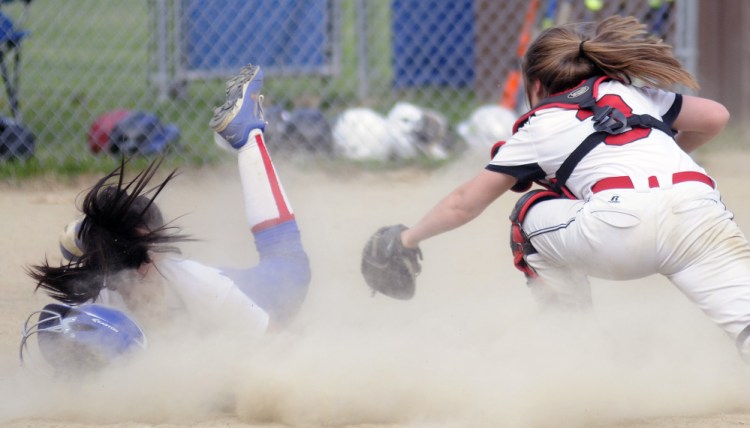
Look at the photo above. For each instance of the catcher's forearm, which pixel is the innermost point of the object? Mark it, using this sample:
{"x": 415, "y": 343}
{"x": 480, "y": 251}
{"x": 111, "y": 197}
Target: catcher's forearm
{"x": 460, "y": 207}
{"x": 445, "y": 216}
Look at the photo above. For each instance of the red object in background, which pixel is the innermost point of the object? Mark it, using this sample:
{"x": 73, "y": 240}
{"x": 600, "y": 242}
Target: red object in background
{"x": 513, "y": 83}
{"x": 98, "y": 137}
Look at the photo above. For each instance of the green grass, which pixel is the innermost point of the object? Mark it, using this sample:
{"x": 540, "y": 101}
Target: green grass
{"x": 87, "y": 57}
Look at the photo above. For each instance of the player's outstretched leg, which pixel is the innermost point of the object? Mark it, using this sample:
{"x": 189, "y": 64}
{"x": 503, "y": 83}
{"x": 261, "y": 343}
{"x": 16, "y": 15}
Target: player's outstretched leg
{"x": 279, "y": 282}
{"x": 239, "y": 123}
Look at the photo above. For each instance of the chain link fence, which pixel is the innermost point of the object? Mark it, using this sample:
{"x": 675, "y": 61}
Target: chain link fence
{"x": 363, "y": 80}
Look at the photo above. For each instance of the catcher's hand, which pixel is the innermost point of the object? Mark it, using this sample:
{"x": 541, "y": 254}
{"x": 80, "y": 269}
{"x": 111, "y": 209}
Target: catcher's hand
{"x": 387, "y": 266}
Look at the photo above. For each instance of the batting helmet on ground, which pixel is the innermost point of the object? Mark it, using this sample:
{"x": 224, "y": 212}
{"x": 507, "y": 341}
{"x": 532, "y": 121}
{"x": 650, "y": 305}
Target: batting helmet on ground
{"x": 131, "y": 133}
{"x": 486, "y": 126}
{"x": 83, "y": 337}
{"x": 362, "y": 134}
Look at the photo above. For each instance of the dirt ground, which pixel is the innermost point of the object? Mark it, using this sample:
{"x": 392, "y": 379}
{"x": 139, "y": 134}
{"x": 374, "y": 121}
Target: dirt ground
{"x": 470, "y": 350}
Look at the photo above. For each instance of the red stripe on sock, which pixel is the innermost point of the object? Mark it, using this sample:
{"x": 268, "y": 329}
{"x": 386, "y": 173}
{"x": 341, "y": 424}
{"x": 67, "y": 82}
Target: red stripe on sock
{"x": 270, "y": 223}
{"x": 278, "y": 195}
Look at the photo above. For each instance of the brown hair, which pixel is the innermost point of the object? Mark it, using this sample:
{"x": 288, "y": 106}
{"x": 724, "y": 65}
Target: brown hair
{"x": 620, "y": 47}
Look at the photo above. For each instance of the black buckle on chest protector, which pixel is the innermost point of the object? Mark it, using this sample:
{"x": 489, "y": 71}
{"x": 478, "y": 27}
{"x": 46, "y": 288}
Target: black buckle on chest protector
{"x": 606, "y": 118}
{"x": 610, "y": 120}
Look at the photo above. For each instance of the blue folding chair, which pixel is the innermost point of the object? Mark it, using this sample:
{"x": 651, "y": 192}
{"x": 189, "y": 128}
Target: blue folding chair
{"x": 11, "y": 36}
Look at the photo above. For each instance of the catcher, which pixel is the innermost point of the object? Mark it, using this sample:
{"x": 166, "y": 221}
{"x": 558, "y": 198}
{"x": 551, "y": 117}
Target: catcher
{"x": 609, "y": 143}
{"x": 125, "y": 271}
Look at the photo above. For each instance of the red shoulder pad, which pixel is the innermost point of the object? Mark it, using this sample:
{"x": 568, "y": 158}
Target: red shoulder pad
{"x": 495, "y": 148}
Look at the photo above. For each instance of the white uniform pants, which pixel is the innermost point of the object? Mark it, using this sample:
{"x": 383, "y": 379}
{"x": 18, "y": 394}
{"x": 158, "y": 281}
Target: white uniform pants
{"x": 683, "y": 232}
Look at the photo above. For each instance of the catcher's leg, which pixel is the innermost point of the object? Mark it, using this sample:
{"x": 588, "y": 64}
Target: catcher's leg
{"x": 557, "y": 286}
{"x": 538, "y": 222}
{"x": 711, "y": 265}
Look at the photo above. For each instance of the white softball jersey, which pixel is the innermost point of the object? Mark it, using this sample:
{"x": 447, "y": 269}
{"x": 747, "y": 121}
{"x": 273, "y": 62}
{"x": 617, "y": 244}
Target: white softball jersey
{"x": 539, "y": 147}
{"x": 201, "y": 293}
{"x": 680, "y": 230}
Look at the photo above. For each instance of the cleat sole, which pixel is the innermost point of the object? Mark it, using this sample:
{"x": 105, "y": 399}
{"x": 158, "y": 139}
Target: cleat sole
{"x": 235, "y": 89}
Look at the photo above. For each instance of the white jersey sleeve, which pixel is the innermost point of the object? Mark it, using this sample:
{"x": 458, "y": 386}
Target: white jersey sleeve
{"x": 185, "y": 289}
{"x": 663, "y": 101}
{"x": 211, "y": 298}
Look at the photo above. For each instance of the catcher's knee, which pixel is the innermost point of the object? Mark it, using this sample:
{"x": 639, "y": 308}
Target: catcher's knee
{"x": 520, "y": 244}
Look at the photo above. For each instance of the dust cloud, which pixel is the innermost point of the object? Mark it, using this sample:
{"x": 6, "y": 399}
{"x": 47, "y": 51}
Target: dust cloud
{"x": 470, "y": 349}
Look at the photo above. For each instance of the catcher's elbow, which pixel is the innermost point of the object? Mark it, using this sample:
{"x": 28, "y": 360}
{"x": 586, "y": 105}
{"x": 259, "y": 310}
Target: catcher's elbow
{"x": 465, "y": 206}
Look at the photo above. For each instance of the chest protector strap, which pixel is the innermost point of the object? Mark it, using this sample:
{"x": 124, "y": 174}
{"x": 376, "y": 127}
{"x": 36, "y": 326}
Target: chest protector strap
{"x": 608, "y": 120}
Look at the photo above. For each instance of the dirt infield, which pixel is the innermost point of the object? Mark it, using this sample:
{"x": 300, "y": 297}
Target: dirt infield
{"x": 469, "y": 351}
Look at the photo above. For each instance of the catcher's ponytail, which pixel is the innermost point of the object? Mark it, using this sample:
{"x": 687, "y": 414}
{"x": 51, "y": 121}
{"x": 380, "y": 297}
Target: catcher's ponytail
{"x": 618, "y": 47}
{"x": 120, "y": 227}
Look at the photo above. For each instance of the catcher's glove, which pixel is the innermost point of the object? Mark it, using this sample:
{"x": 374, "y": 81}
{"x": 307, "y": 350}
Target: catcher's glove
{"x": 387, "y": 266}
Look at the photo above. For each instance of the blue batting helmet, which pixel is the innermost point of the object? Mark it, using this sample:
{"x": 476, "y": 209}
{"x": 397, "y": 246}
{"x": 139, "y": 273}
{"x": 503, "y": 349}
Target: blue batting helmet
{"x": 88, "y": 336}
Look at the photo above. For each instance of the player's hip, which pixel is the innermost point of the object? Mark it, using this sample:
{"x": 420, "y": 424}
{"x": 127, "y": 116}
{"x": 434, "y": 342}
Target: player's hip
{"x": 624, "y": 234}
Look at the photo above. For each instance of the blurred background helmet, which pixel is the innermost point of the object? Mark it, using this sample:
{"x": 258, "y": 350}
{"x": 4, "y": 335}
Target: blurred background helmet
{"x": 302, "y": 130}
{"x": 487, "y": 125}
{"x": 362, "y": 134}
{"x": 98, "y": 136}
{"x": 418, "y": 131}
{"x": 307, "y": 129}
{"x": 142, "y": 133}
{"x": 131, "y": 133}
{"x": 406, "y": 121}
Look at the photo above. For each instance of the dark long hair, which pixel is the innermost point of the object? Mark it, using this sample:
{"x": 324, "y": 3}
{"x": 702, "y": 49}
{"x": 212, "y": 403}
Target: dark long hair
{"x": 121, "y": 225}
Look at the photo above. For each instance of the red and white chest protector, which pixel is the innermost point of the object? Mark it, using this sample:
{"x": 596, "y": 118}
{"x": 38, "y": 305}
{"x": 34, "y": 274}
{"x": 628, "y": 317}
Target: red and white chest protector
{"x": 658, "y": 224}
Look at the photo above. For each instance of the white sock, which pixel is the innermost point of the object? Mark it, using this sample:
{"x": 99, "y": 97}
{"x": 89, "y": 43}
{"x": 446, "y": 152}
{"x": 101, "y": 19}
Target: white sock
{"x": 266, "y": 203}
